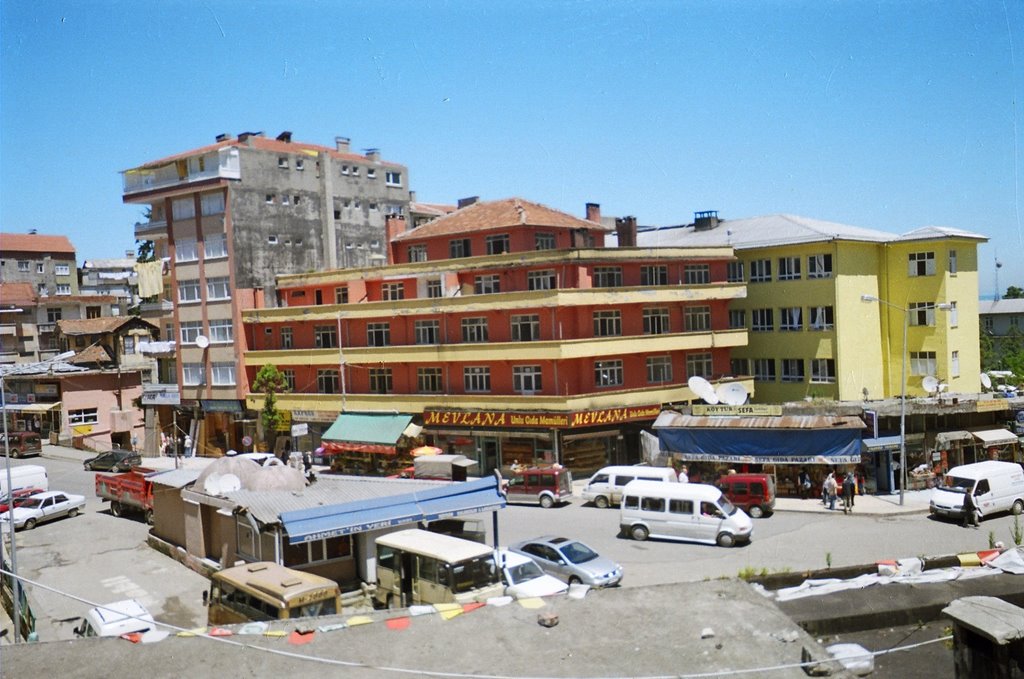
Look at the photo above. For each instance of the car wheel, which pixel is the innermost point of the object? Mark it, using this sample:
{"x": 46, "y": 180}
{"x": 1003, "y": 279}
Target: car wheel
{"x": 755, "y": 511}
{"x": 546, "y": 501}
{"x": 1018, "y": 507}
{"x": 30, "y": 524}
{"x": 73, "y": 512}
{"x": 149, "y": 516}
{"x": 87, "y": 467}
{"x": 639, "y": 533}
{"x": 15, "y": 452}
{"x": 726, "y": 540}
{"x": 573, "y": 580}
{"x": 115, "y": 508}
{"x": 601, "y": 502}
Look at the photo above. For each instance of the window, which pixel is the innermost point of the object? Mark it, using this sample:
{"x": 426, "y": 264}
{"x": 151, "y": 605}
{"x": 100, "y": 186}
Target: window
{"x": 921, "y": 264}
{"x": 737, "y": 318}
{"x": 188, "y": 291}
{"x": 393, "y": 292}
{"x": 739, "y": 366}
{"x": 300, "y": 164}
{"x": 392, "y": 178}
{"x": 434, "y": 288}
{"x": 680, "y": 507}
{"x": 221, "y": 331}
{"x": 218, "y": 288}
{"x": 40, "y": 268}
{"x": 289, "y": 378}
{"x": 498, "y": 244}
{"x": 215, "y": 245}
{"x": 371, "y": 173}
{"x": 544, "y": 241}
{"x": 63, "y": 289}
{"x": 654, "y": 275}
{"x": 990, "y": 324}
{"x": 921, "y": 313}
{"x": 823, "y": 370}
{"x": 212, "y": 203}
{"x": 269, "y": 199}
{"x": 608, "y": 373}
{"x": 327, "y": 381}
{"x": 378, "y": 334}
{"x": 526, "y": 379}
{"x": 417, "y": 253}
{"x": 697, "y": 318}
{"x": 791, "y": 319}
{"x": 822, "y": 318}
{"x": 540, "y": 280}
{"x": 734, "y": 272}
{"x": 792, "y": 370}
{"x": 760, "y": 270}
{"x": 427, "y": 332}
{"x": 459, "y": 248}
{"x": 62, "y": 270}
{"x": 474, "y": 329}
{"x": 764, "y": 369}
{"x": 954, "y": 316}
{"x": 381, "y": 381}
{"x": 526, "y": 328}
{"x": 183, "y": 208}
{"x": 954, "y": 367}
{"x": 428, "y": 380}
{"x": 185, "y": 250}
{"x": 487, "y": 284}
{"x": 54, "y": 315}
{"x": 190, "y": 330}
{"x": 607, "y": 323}
{"x": 762, "y": 320}
{"x": 699, "y": 365}
{"x": 284, "y": 199}
{"x": 656, "y": 321}
{"x": 325, "y": 337}
{"x": 952, "y": 262}
{"x": 607, "y": 277}
{"x": 83, "y": 416}
{"x": 341, "y": 294}
{"x": 819, "y": 266}
{"x": 476, "y": 379}
{"x": 789, "y": 268}
{"x": 223, "y": 374}
{"x": 286, "y": 338}
{"x": 697, "y": 274}
{"x": 272, "y": 240}
{"x": 282, "y": 162}
{"x": 922, "y": 363}
{"x": 23, "y": 265}
{"x": 344, "y": 169}
{"x": 659, "y": 369}
{"x": 192, "y": 374}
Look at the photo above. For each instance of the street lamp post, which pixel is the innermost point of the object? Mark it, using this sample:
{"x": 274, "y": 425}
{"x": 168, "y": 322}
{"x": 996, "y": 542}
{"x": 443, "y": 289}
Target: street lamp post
{"x": 903, "y": 379}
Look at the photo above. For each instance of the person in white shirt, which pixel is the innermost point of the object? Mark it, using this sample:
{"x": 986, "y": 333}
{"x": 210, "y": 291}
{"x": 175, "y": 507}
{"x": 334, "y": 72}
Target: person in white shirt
{"x": 683, "y": 475}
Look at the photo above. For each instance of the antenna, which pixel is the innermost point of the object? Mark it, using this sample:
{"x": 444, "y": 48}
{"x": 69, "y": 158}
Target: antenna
{"x": 986, "y": 381}
{"x": 732, "y": 393}
{"x": 702, "y": 388}
{"x": 930, "y": 384}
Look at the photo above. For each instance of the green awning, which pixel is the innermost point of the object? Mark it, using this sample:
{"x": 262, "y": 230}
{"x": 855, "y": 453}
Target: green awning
{"x": 370, "y": 432}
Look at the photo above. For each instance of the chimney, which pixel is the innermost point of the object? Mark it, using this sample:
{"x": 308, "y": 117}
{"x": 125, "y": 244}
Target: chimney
{"x": 130, "y": 253}
{"x": 285, "y": 136}
{"x": 341, "y": 144}
{"x": 412, "y": 196}
{"x": 244, "y": 136}
{"x": 705, "y": 221}
{"x": 625, "y": 229}
{"x": 466, "y": 202}
{"x": 223, "y": 136}
{"x": 372, "y": 154}
{"x": 594, "y": 212}
{"x": 393, "y": 225}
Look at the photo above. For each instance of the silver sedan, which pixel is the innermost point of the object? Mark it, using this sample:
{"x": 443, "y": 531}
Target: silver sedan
{"x": 571, "y": 561}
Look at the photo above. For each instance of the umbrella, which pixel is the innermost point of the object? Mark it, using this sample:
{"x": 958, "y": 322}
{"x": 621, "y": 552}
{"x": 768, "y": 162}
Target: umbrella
{"x": 425, "y": 450}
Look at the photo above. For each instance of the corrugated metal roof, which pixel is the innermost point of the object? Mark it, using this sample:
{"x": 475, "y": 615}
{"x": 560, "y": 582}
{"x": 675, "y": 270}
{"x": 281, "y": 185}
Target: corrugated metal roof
{"x": 174, "y": 478}
{"x": 669, "y": 419}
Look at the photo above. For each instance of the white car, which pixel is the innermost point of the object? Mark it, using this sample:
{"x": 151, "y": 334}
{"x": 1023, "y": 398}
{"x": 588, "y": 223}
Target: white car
{"x": 524, "y": 579}
{"x": 43, "y": 507}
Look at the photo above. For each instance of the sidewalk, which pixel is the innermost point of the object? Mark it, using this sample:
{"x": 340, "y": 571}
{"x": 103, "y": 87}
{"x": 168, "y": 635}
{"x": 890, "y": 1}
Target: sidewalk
{"x": 161, "y": 463}
{"x": 914, "y": 502}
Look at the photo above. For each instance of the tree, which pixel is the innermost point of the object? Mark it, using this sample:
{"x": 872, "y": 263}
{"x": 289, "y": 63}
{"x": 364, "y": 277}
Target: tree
{"x": 1013, "y": 292}
{"x": 271, "y": 382}
{"x": 989, "y": 357}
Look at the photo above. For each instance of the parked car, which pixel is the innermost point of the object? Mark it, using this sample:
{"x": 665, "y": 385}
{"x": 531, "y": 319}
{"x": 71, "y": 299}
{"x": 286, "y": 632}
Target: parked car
{"x": 570, "y": 560}
{"x": 753, "y": 493}
{"x": 21, "y": 443}
{"x": 40, "y": 507}
{"x": 113, "y": 461}
{"x": 19, "y": 496}
{"x": 524, "y": 579}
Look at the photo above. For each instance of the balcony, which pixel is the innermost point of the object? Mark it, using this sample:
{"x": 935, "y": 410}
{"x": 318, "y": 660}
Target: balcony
{"x": 223, "y": 163}
{"x": 150, "y": 230}
{"x": 46, "y": 328}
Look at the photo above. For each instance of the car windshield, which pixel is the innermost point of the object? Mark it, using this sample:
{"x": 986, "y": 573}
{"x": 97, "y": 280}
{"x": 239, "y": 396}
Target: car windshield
{"x": 957, "y": 484}
{"x": 577, "y": 552}
{"x": 30, "y": 502}
{"x": 523, "y": 572}
{"x": 726, "y": 506}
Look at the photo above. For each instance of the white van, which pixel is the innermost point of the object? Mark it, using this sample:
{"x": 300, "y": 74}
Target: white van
{"x": 605, "y": 487}
{"x": 25, "y": 476}
{"x": 113, "y": 620}
{"x": 996, "y": 486}
{"x": 694, "y": 512}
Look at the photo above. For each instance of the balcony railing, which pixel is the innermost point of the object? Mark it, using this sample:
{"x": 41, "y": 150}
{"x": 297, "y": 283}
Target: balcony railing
{"x": 223, "y": 164}
{"x": 150, "y": 229}
{"x": 45, "y": 328}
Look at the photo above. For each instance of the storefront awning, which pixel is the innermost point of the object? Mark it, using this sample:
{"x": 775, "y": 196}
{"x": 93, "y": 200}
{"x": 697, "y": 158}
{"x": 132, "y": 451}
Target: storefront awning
{"x": 995, "y": 437}
{"x": 222, "y": 406}
{"x": 31, "y": 407}
{"x": 949, "y": 436}
{"x": 448, "y": 501}
{"x": 365, "y": 432}
{"x": 880, "y": 444}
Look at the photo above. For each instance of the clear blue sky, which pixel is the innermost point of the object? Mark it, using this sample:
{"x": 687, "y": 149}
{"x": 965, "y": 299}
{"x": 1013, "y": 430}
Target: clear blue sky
{"x": 887, "y": 115}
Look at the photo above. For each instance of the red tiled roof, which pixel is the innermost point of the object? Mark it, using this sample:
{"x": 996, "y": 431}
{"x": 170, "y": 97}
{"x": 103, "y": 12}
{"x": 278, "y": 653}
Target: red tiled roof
{"x": 261, "y": 144}
{"x": 95, "y": 326}
{"x": 28, "y": 242}
{"x": 432, "y": 208}
{"x": 96, "y": 354}
{"x": 17, "y": 293}
{"x": 499, "y": 214}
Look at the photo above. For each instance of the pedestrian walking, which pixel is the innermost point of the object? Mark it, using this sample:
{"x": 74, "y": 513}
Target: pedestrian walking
{"x": 830, "y": 490}
{"x": 804, "y": 483}
{"x": 188, "y": 446}
{"x": 849, "y": 489}
{"x": 970, "y": 508}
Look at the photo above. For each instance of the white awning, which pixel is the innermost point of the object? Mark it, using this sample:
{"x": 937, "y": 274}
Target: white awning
{"x": 995, "y": 437}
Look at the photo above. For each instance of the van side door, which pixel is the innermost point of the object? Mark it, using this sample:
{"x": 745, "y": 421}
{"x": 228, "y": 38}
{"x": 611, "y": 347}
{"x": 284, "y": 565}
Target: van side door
{"x": 680, "y": 520}
{"x": 709, "y": 521}
{"x": 984, "y": 498}
{"x": 615, "y": 491}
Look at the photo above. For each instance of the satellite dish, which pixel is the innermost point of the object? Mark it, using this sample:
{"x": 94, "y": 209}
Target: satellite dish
{"x": 986, "y": 381}
{"x": 702, "y": 388}
{"x": 930, "y": 384}
{"x": 732, "y": 393}
{"x": 218, "y": 484}
{"x": 202, "y": 341}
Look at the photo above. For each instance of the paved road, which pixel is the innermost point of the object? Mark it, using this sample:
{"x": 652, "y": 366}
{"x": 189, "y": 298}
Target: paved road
{"x": 102, "y": 558}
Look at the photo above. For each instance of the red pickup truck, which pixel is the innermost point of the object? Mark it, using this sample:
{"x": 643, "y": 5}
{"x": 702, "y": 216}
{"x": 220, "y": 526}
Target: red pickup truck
{"x": 130, "y": 491}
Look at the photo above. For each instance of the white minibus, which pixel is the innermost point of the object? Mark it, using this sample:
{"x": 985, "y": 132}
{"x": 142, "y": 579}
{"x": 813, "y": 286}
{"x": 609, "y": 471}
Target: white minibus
{"x": 605, "y": 487}
{"x": 694, "y": 512}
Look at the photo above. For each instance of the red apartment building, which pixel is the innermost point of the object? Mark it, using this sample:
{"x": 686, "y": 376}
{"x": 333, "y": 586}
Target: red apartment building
{"x": 508, "y": 331}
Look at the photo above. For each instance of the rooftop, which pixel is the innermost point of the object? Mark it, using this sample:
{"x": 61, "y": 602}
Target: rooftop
{"x": 33, "y": 242}
{"x": 499, "y": 214}
{"x": 1001, "y": 306}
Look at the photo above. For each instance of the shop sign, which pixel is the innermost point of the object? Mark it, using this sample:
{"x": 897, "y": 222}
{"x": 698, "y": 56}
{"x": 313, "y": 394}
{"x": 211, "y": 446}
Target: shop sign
{"x": 45, "y": 389}
{"x": 590, "y": 418}
{"x": 160, "y": 394}
{"x": 988, "y": 405}
{"x": 284, "y": 422}
{"x": 750, "y": 410}
{"x": 300, "y": 429}
{"x": 491, "y": 418}
{"x": 314, "y": 416}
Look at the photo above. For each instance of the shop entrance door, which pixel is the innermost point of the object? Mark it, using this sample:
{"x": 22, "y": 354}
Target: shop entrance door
{"x": 489, "y": 455}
